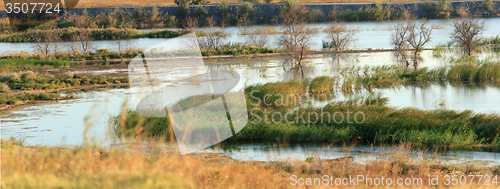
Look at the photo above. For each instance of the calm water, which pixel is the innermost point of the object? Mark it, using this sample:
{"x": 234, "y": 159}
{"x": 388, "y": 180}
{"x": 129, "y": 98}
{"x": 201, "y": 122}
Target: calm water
{"x": 264, "y": 151}
{"x": 375, "y": 35}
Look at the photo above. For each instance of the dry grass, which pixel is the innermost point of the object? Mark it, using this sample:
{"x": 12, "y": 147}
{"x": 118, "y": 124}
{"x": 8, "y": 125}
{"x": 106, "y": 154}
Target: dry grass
{"x": 153, "y": 167}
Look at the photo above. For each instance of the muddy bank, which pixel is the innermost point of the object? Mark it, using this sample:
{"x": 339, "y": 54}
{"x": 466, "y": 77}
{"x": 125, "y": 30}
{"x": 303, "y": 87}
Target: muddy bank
{"x": 22, "y": 103}
{"x": 272, "y": 10}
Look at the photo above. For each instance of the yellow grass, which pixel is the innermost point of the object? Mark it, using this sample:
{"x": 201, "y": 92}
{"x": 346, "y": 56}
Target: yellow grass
{"x": 94, "y": 167}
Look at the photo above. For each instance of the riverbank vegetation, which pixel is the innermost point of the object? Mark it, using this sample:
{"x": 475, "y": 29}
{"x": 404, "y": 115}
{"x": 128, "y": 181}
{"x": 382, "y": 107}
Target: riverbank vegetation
{"x": 73, "y": 34}
{"x": 153, "y": 166}
{"x": 242, "y": 14}
{"x": 64, "y": 58}
{"x": 437, "y": 129}
{"x": 6, "y": 99}
{"x": 24, "y": 86}
{"x": 28, "y": 80}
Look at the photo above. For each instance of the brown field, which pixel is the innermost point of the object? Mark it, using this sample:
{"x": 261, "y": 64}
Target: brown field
{"x": 100, "y": 3}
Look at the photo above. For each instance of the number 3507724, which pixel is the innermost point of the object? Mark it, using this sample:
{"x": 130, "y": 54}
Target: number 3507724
{"x": 32, "y": 8}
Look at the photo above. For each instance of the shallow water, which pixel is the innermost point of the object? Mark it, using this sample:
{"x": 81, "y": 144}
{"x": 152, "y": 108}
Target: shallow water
{"x": 374, "y": 35}
{"x": 266, "y": 151}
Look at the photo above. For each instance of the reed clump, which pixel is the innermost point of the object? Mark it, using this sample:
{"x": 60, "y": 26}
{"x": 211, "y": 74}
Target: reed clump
{"x": 322, "y": 84}
{"x": 271, "y": 93}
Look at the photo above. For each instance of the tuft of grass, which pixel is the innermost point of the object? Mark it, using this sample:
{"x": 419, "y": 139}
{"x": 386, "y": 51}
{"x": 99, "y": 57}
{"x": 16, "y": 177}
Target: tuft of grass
{"x": 273, "y": 92}
{"x": 322, "y": 84}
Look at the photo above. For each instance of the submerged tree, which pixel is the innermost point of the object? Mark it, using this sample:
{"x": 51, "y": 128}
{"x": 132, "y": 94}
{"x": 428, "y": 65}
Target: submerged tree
{"x": 215, "y": 38}
{"x": 339, "y": 35}
{"x": 257, "y": 36}
{"x": 411, "y": 35}
{"x": 467, "y": 32}
{"x": 295, "y": 38}
{"x": 49, "y": 44}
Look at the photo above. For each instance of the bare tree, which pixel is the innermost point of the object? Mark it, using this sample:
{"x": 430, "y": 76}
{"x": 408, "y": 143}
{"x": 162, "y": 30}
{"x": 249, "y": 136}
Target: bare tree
{"x": 466, "y": 32}
{"x": 340, "y": 36}
{"x": 122, "y": 45}
{"x": 410, "y": 34}
{"x": 49, "y": 44}
{"x": 85, "y": 40}
{"x": 295, "y": 38}
{"x": 257, "y": 36}
{"x": 73, "y": 45}
{"x": 215, "y": 38}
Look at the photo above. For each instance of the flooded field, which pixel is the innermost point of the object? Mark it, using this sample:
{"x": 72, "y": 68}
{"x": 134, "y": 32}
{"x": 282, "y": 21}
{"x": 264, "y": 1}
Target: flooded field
{"x": 71, "y": 122}
{"x": 65, "y": 122}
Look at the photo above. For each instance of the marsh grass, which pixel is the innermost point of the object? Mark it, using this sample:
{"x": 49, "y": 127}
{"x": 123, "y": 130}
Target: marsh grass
{"x": 29, "y": 80}
{"x": 465, "y": 70}
{"x": 33, "y": 62}
{"x": 237, "y": 49}
{"x": 271, "y": 93}
{"x": 6, "y": 99}
{"x": 436, "y": 129}
{"x": 322, "y": 84}
{"x": 66, "y": 34}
